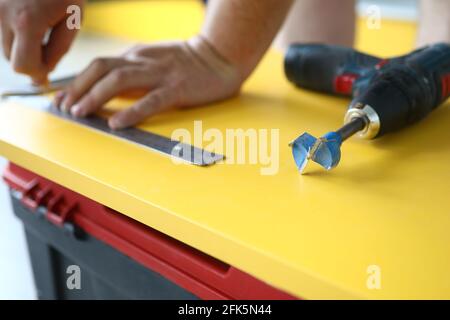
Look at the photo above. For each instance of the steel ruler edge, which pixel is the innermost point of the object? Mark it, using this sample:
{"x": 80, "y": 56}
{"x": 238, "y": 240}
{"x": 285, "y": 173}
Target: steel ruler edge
{"x": 152, "y": 141}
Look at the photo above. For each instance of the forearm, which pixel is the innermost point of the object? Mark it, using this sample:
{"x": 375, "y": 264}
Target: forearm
{"x": 434, "y": 22}
{"x": 242, "y": 30}
{"x": 312, "y": 21}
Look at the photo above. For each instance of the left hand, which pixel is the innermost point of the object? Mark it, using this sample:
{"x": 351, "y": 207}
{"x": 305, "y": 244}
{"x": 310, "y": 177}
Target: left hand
{"x": 173, "y": 74}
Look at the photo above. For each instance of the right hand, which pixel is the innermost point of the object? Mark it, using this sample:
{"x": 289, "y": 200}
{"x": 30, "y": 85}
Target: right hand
{"x": 24, "y": 24}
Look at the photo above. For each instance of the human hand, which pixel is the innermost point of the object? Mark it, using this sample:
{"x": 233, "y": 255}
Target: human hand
{"x": 170, "y": 75}
{"x": 24, "y": 24}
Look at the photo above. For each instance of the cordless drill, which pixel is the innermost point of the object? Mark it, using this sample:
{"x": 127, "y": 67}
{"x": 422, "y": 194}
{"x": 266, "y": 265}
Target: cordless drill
{"x": 388, "y": 94}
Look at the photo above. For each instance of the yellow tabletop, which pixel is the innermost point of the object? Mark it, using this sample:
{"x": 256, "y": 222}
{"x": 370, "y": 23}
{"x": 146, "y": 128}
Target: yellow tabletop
{"x": 315, "y": 236}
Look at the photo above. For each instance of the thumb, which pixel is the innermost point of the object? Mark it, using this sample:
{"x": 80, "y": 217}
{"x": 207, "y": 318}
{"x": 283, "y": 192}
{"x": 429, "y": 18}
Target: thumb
{"x": 59, "y": 42}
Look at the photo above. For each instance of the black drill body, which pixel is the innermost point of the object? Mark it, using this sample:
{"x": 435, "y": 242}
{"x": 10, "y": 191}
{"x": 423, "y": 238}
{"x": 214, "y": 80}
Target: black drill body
{"x": 401, "y": 90}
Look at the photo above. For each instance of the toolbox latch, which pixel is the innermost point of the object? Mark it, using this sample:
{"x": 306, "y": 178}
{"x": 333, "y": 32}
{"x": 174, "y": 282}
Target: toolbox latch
{"x": 60, "y": 214}
{"x": 57, "y": 212}
{"x": 33, "y": 196}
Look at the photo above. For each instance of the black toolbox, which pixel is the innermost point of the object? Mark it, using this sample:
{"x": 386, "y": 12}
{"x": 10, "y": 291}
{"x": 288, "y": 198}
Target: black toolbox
{"x": 81, "y": 249}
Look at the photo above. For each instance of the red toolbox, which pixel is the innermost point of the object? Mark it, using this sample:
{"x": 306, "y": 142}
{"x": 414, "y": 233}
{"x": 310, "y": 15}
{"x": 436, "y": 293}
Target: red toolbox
{"x": 118, "y": 257}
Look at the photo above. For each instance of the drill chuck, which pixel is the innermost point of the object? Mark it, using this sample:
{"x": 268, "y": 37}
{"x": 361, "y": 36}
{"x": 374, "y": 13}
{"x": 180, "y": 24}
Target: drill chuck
{"x": 370, "y": 117}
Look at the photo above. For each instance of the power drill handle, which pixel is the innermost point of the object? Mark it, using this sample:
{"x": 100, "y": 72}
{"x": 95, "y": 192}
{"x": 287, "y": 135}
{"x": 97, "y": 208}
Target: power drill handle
{"x": 325, "y": 68}
{"x": 400, "y": 91}
{"x": 434, "y": 62}
{"x": 404, "y": 93}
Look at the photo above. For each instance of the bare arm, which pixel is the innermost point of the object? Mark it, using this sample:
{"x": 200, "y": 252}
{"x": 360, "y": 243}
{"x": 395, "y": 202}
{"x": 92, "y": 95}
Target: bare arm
{"x": 313, "y": 21}
{"x": 434, "y": 22}
{"x": 242, "y": 30}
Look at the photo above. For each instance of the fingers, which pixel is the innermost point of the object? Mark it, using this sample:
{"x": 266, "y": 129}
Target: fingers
{"x": 58, "y": 44}
{"x": 59, "y": 97}
{"x": 114, "y": 83}
{"x": 26, "y": 51}
{"x": 158, "y": 100}
{"x": 88, "y": 78}
{"x": 7, "y": 40}
{"x": 26, "y": 58}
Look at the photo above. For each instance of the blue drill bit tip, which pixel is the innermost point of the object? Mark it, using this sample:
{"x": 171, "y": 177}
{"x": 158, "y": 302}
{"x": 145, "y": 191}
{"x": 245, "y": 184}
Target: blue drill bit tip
{"x": 325, "y": 151}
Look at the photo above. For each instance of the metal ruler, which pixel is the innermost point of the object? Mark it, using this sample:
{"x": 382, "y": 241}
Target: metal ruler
{"x": 30, "y": 90}
{"x": 163, "y": 145}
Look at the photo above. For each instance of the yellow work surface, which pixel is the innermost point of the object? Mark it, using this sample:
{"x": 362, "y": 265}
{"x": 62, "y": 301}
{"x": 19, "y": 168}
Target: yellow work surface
{"x": 313, "y": 236}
